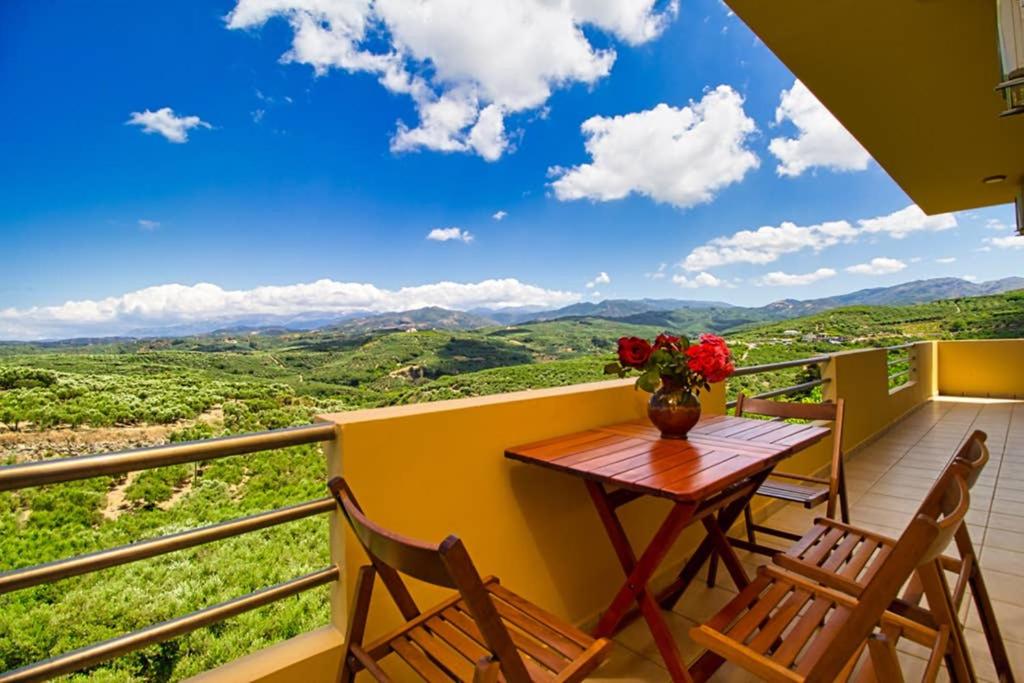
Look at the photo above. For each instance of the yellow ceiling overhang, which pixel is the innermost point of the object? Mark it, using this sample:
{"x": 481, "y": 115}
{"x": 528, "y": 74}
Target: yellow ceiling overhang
{"x": 913, "y": 81}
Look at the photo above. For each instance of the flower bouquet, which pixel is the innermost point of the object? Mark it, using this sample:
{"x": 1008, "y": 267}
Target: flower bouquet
{"x": 674, "y": 371}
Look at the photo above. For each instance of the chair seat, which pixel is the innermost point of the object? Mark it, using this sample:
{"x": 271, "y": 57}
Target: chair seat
{"x": 445, "y": 644}
{"x": 779, "y": 626}
{"x": 808, "y": 496}
{"x": 849, "y": 554}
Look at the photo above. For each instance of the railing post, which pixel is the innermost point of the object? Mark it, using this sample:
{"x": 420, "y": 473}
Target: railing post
{"x": 336, "y": 529}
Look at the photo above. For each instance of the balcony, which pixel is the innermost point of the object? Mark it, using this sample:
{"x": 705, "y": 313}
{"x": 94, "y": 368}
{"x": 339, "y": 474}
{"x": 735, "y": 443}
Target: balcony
{"x": 907, "y": 409}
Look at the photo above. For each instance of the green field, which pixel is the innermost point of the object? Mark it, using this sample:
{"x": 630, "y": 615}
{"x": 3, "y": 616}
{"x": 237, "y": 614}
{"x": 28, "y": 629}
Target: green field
{"x": 124, "y": 394}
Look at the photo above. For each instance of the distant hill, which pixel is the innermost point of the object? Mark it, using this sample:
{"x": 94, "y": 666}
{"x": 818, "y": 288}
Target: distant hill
{"x": 430, "y": 318}
{"x": 622, "y": 308}
{"x": 685, "y": 315}
{"x": 916, "y": 292}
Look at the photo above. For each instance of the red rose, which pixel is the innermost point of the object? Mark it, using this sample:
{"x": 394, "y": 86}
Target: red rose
{"x": 666, "y": 341}
{"x": 711, "y": 358}
{"x": 634, "y": 351}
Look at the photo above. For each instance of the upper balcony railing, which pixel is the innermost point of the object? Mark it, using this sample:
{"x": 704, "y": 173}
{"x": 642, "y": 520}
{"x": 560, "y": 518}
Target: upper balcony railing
{"x": 26, "y": 475}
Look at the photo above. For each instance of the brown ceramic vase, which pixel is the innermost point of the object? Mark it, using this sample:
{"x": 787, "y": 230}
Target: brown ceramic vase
{"x": 673, "y": 410}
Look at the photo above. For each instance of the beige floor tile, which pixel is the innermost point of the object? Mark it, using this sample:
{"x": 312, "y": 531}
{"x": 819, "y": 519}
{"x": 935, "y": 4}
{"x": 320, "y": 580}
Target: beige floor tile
{"x": 626, "y": 666}
{"x": 1005, "y": 522}
{"x": 1001, "y": 586}
{"x": 982, "y": 659}
{"x": 1009, "y": 507}
{"x": 1010, "y": 619}
{"x": 1002, "y": 560}
{"x": 637, "y": 637}
{"x": 883, "y": 502}
{"x": 699, "y": 603}
{"x": 1001, "y": 538}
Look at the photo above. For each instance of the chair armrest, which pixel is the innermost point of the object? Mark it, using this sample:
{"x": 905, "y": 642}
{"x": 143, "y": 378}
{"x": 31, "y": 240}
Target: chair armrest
{"x": 740, "y": 654}
{"x": 816, "y": 573}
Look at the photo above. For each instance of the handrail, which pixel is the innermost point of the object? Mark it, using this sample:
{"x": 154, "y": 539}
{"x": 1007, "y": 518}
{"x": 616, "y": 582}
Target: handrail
{"x": 15, "y": 477}
{"x": 161, "y": 545}
{"x": 115, "y": 647}
{"x": 21, "y": 476}
{"x": 768, "y": 367}
{"x": 897, "y": 347}
{"x": 786, "y": 390}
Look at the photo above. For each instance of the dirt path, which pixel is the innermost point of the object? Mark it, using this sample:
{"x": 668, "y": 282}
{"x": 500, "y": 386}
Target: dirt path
{"x": 66, "y": 442}
{"x": 116, "y": 504}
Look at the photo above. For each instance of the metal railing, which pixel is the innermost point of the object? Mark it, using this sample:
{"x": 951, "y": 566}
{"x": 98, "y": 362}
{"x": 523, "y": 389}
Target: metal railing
{"x": 27, "y": 475}
{"x": 782, "y": 365}
{"x": 904, "y": 357}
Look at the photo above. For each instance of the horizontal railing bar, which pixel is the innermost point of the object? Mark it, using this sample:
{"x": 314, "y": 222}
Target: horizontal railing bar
{"x": 897, "y": 361}
{"x": 85, "y": 564}
{"x": 15, "y": 477}
{"x": 897, "y": 374}
{"x": 768, "y": 367}
{"x": 110, "y": 649}
{"x": 786, "y": 390}
{"x": 901, "y": 346}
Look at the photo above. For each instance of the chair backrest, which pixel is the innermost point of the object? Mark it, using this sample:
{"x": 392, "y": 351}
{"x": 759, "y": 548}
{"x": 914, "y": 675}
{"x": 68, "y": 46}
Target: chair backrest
{"x": 973, "y": 456}
{"x": 804, "y": 411}
{"x": 929, "y": 532}
{"x": 446, "y": 564}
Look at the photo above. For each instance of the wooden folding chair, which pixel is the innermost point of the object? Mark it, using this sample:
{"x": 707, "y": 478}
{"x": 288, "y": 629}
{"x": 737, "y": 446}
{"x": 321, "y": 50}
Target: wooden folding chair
{"x": 783, "y": 627}
{"x": 805, "y": 490}
{"x": 845, "y": 557}
{"x": 481, "y": 632}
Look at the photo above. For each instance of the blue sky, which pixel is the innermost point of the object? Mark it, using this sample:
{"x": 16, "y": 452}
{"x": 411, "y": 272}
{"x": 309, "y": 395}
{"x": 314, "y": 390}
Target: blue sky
{"x": 329, "y": 143}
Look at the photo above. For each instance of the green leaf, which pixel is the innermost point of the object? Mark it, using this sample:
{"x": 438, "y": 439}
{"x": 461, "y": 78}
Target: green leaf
{"x": 613, "y": 369}
{"x": 649, "y": 381}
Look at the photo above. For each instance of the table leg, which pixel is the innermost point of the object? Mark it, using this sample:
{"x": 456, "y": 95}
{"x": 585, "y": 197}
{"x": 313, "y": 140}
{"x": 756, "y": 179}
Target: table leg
{"x": 638, "y": 573}
{"x": 726, "y": 517}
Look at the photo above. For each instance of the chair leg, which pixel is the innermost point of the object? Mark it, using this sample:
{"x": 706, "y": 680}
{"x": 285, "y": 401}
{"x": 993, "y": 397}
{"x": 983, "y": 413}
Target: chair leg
{"x": 884, "y": 660}
{"x": 357, "y": 621}
{"x": 987, "y": 616}
{"x": 712, "y": 569}
{"x": 748, "y": 518}
{"x": 844, "y": 497}
{"x": 486, "y": 671}
{"x": 936, "y": 590}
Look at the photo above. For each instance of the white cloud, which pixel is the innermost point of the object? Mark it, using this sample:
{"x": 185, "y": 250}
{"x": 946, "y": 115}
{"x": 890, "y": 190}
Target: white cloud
{"x": 969, "y": 278}
{"x": 996, "y": 224}
{"x": 679, "y": 156}
{"x": 700, "y": 280}
{"x": 767, "y": 244}
{"x": 821, "y": 140}
{"x": 147, "y": 224}
{"x": 946, "y": 259}
{"x": 449, "y": 234}
{"x": 499, "y": 215}
{"x": 177, "y": 304}
{"x": 1008, "y": 242}
{"x": 658, "y": 274}
{"x": 899, "y": 224}
{"x": 601, "y": 279}
{"x": 165, "y": 122}
{"x": 878, "y": 266}
{"x": 466, "y": 65}
{"x": 781, "y": 279}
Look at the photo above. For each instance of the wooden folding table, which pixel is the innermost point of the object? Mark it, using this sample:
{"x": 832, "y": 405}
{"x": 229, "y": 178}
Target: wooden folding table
{"x": 710, "y": 476}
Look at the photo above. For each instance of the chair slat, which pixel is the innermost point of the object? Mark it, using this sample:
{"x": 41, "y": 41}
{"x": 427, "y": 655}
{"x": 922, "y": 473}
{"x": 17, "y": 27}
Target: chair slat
{"x": 447, "y": 658}
{"x": 419, "y": 662}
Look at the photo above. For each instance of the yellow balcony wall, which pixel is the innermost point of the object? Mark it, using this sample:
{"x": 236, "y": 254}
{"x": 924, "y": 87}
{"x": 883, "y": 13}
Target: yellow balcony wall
{"x": 435, "y": 469}
{"x": 982, "y": 368}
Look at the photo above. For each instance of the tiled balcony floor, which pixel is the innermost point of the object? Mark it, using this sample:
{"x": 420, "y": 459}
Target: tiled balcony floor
{"x": 886, "y": 482}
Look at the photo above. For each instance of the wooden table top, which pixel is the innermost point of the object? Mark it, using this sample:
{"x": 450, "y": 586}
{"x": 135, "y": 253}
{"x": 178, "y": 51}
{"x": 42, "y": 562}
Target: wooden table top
{"x": 719, "y": 452}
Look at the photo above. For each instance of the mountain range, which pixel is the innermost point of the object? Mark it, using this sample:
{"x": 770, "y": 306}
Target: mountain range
{"x": 681, "y": 314}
